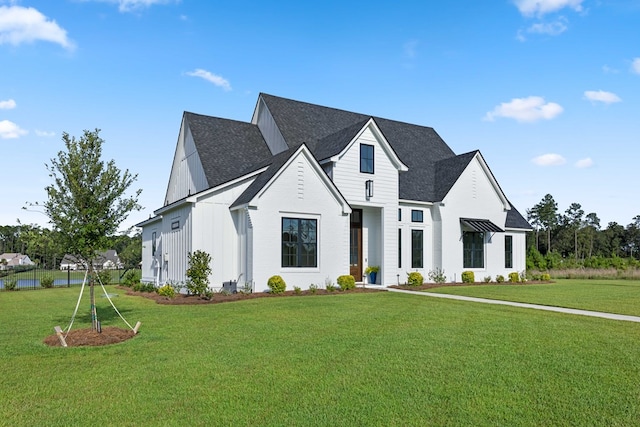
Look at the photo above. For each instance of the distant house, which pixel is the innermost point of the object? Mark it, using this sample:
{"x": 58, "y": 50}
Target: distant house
{"x": 13, "y": 260}
{"x": 107, "y": 260}
{"x": 310, "y": 192}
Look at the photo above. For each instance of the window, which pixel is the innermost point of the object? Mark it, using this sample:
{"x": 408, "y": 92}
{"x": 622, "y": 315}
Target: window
{"x": 366, "y": 158}
{"x": 299, "y": 242}
{"x": 399, "y": 247}
{"x": 508, "y": 251}
{"x": 416, "y": 216}
{"x": 153, "y": 244}
{"x": 175, "y": 225}
{"x": 399, "y": 214}
{"x": 417, "y": 248}
{"x": 473, "y": 244}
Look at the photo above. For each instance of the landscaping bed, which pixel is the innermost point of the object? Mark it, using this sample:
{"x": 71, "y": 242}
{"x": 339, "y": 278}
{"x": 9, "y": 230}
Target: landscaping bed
{"x": 426, "y": 286}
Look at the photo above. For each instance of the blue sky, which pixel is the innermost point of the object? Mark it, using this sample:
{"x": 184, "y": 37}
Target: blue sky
{"x": 547, "y": 90}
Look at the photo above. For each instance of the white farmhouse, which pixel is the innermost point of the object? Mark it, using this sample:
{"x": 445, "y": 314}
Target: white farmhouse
{"x": 310, "y": 193}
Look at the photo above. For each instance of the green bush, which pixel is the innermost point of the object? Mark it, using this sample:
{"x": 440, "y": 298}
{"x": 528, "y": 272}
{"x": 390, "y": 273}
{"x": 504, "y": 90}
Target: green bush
{"x": 198, "y": 273}
{"x": 144, "y": 287}
{"x": 46, "y": 281}
{"x": 500, "y": 278}
{"x": 330, "y": 287}
{"x": 346, "y": 282}
{"x": 514, "y": 277}
{"x": 437, "y": 275}
{"x": 545, "y": 277}
{"x": 10, "y": 284}
{"x": 487, "y": 279}
{"x": 131, "y": 277}
{"x": 276, "y": 284}
{"x": 166, "y": 291}
{"x": 415, "y": 279}
{"x": 297, "y": 290}
{"x": 313, "y": 288}
{"x": 104, "y": 277}
{"x": 468, "y": 277}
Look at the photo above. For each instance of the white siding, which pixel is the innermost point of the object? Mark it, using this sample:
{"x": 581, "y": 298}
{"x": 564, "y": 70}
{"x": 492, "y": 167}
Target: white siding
{"x": 187, "y": 175}
{"x": 176, "y": 242}
{"x": 149, "y": 271}
{"x": 473, "y": 196}
{"x": 269, "y": 129}
{"x": 299, "y": 192}
{"x": 428, "y": 238}
{"x": 380, "y": 230}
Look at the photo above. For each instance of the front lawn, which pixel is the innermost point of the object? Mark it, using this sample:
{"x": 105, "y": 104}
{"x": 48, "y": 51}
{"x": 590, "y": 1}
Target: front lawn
{"x": 346, "y": 359}
{"x": 611, "y": 296}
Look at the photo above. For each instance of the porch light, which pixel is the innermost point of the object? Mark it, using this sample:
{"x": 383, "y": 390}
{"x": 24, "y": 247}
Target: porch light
{"x": 368, "y": 188}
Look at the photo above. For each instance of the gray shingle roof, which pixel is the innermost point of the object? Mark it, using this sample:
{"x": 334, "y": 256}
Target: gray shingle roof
{"x": 228, "y": 149}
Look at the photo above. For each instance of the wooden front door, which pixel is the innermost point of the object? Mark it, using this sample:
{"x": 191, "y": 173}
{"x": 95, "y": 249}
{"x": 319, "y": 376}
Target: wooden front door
{"x": 355, "y": 245}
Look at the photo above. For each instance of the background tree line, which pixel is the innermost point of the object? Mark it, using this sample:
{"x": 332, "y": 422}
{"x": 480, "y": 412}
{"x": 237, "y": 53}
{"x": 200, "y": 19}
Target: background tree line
{"x": 44, "y": 248}
{"x": 575, "y": 239}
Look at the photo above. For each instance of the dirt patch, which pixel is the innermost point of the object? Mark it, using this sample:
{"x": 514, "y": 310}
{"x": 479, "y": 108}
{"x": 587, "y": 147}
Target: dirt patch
{"x": 87, "y": 337}
{"x": 182, "y": 299}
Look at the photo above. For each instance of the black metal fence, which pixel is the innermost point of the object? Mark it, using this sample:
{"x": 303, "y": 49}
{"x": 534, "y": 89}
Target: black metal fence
{"x": 38, "y": 278}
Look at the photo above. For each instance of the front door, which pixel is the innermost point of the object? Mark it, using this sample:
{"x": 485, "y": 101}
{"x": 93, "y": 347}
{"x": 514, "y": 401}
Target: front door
{"x": 355, "y": 245}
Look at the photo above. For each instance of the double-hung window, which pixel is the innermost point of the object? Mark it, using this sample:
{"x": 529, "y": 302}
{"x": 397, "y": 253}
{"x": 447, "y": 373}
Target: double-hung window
{"x": 299, "y": 242}
{"x": 473, "y": 247}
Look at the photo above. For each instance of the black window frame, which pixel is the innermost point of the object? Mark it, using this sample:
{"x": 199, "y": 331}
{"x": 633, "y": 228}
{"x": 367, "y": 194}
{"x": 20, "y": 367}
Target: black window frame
{"x": 508, "y": 251}
{"x": 300, "y": 252}
{"x": 154, "y": 247}
{"x": 473, "y": 249}
{"x": 367, "y": 158}
{"x": 417, "y": 249}
{"x": 399, "y": 247}
{"x": 417, "y": 215}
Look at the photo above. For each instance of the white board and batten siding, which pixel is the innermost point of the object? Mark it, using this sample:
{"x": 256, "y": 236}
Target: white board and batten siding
{"x": 405, "y": 225}
{"x": 270, "y": 132}
{"x": 380, "y": 229}
{"x": 298, "y": 192}
{"x": 187, "y": 175}
{"x": 176, "y": 242}
{"x": 151, "y": 229}
{"x": 474, "y": 195}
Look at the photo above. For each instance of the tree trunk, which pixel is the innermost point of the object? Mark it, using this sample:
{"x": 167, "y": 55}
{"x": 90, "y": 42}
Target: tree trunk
{"x": 92, "y": 296}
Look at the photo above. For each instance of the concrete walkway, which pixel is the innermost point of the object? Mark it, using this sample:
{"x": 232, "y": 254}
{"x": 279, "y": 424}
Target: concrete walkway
{"x": 611, "y": 316}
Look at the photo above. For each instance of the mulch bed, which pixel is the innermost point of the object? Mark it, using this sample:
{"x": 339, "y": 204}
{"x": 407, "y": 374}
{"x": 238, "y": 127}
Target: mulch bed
{"x": 446, "y": 285}
{"x": 87, "y": 337}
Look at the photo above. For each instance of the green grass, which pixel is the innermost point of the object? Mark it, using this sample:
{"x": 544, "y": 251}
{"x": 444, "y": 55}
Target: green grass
{"x": 611, "y": 296}
{"x": 347, "y": 359}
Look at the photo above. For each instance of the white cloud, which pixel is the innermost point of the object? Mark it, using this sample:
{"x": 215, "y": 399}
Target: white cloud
{"x": 9, "y": 104}
{"x": 550, "y": 159}
{"x": 584, "y": 163}
{"x": 601, "y": 96}
{"x": 210, "y": 77}
{"x": 608, "y": 70}
{"x": 132, "y": 5}
{"x": 529, "y": 109}
{"x": 550, "y": 28}
{"x": 26, "y": 25}
{"x": 542, "y": 7}
{"x": 44, "y": 133}
{"x": 10, "y": 130}
{"x": 635, "y": 66}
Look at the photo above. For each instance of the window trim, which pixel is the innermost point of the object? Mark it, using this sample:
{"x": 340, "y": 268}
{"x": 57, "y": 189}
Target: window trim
{"x": 299, "y": 253}
{"x": 415, "y": 264}
{"x": 362, "y": 157}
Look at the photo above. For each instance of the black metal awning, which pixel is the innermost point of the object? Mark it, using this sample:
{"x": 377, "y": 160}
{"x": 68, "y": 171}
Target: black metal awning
{"x": 482, "y": 225}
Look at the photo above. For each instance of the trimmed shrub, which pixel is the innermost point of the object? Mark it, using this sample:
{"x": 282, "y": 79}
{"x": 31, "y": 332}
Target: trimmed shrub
{"x": 46, "y": 281}
{"x": 468, "y": 277}
{"x": 514, "y": 277}
{"x": 198, "y": 272}
{"x": 545, "y": 277}
{"x": 500, "y": 278}
{"x": 144, "y": 287}
{"x": 415, "y": 279}
{"x": 437, "y": 275}
{"x": 276, "y": 284}
{"x": 346, "y": 282}
{"x": 166, "y": 291}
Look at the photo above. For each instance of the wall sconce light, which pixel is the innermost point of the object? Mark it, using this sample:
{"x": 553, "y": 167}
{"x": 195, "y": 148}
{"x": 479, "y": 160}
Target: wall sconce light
{"x": 368, "y": 188}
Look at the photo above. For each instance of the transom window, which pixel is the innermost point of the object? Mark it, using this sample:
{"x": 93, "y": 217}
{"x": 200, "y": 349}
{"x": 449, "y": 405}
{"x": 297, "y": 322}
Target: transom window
{"x": 366, "y": 158}
{"x": 417, "y": 216}
{"x": 473, "y": 247}
{"x": 299, "y": 242}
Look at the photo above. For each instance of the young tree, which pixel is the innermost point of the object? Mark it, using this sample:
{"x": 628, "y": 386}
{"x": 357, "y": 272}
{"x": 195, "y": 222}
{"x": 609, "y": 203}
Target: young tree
{"x": 86, "y": 202}
{"x": 545, "y": 214}
{"x": 574, "y": 221}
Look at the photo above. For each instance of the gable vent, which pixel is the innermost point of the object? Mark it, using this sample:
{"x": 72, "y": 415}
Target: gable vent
{"x": 300, "y": 179}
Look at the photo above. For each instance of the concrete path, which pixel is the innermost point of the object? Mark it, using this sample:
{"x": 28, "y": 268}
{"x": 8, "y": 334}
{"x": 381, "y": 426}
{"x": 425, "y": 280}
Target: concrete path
{"x": 611, "y": 316}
